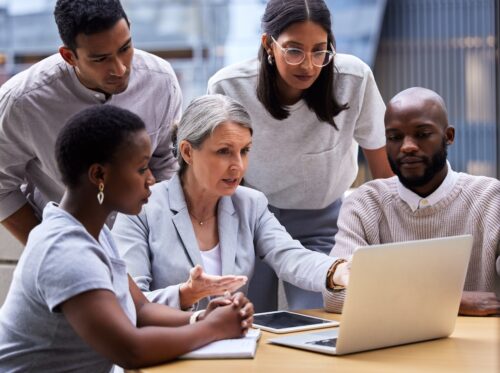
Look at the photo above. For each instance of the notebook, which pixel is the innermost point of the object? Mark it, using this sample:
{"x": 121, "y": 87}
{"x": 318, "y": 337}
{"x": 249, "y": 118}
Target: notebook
{"x": 239, "y": 348}
{"x": 398, "y": 293}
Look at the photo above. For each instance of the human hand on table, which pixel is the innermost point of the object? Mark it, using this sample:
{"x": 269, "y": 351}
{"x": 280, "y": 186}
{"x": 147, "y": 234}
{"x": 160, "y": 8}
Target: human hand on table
{"x": 479, "y": 303}
{"x": 226, "y": 310}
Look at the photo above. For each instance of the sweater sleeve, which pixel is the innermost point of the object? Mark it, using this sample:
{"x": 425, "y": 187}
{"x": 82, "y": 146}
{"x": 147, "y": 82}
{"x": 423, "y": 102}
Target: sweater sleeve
{"x": 357, "y": 218}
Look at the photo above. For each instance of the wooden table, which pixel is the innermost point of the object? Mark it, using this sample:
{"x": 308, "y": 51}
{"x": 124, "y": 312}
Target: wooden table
{"x": 474, "y": 347}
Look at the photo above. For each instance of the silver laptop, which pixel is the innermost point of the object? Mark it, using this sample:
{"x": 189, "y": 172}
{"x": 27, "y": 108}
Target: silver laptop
{"x": 398, "y": 293}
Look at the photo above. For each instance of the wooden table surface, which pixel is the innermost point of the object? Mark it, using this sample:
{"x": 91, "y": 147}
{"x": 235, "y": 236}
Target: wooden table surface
{"x": 474, "y": 346}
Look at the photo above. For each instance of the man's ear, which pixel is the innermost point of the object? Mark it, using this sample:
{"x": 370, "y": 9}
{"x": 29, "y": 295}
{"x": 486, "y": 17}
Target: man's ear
{"x": 68, "y": 55}
{"x": 97, "y": 174}
{"x": 450, "y": 135}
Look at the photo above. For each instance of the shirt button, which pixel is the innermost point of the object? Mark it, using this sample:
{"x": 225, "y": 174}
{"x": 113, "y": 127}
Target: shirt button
{"x": 424, "y": 202}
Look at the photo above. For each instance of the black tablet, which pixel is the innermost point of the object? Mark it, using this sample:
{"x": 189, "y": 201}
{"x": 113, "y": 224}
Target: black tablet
{"x": 286, "y": 321}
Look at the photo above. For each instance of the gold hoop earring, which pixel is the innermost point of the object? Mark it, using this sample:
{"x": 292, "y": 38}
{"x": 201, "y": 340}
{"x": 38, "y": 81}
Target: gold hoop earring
{"x": 100, "y": 195}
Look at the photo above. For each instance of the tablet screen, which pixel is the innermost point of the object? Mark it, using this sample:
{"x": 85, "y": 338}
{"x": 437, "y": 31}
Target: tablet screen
{"x": 283, "y": 320}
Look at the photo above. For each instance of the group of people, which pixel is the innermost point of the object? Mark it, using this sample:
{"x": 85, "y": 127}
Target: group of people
{"x": 214, "y": 204}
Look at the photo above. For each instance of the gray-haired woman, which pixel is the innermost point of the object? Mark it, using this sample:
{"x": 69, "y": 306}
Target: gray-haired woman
{"x": 203, "y": 218}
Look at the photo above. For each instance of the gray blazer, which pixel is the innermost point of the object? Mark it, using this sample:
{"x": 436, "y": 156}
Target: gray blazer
{"x": 160, "y": 247}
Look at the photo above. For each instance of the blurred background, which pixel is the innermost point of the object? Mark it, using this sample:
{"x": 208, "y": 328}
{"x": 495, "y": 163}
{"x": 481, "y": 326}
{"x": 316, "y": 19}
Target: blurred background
{"x": 450, "y": 46}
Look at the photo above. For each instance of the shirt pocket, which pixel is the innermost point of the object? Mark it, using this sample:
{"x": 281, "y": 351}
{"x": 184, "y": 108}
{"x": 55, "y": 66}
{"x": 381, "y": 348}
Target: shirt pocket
{"x": 327, "y": 174}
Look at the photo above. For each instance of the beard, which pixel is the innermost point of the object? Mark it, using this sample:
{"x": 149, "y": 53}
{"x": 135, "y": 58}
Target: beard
{"x": 433, "y": 164}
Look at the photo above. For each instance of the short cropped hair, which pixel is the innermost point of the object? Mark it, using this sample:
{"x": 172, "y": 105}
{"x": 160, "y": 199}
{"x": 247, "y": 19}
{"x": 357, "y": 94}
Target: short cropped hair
{"x": 93, "y": 135}
{"x": 86, "y": 17}
{"x": 200, "y": 119}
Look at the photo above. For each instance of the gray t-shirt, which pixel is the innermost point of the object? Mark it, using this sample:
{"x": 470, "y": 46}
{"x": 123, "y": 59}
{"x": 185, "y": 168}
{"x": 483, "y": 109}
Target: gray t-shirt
{"x": 300, "y": 162}
{"x": 61, "y": 260}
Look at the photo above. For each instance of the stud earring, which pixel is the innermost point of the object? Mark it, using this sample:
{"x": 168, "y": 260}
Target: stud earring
{"x": 270, "y": 59}
{"x": 100, "y": 195}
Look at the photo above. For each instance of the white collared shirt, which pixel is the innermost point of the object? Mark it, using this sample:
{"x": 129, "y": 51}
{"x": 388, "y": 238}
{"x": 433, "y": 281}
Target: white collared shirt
{"x": 416, "y": 202}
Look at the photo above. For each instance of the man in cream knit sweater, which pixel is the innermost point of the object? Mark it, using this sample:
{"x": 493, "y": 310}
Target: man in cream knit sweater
{"x": 426, "y": 199}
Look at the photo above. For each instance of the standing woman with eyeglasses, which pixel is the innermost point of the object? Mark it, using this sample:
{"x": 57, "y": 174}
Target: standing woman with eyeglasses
{"x": 310, "y": 108}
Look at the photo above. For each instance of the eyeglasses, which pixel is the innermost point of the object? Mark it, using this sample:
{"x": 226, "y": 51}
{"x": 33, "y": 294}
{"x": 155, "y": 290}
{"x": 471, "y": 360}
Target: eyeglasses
{"x": 295, "y": 56}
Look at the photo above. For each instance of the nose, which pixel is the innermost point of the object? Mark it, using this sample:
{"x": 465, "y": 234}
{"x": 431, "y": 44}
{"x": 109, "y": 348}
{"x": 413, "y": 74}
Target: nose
{"x": 307, "y": 63}
{"x": 237, "y": 164}
{"x": 409, "y": 145}
{"x": 150, "y": 179}
{"x": 119, "y": 68}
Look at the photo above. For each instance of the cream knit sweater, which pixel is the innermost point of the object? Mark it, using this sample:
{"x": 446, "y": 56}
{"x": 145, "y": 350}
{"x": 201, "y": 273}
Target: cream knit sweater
{"x": 375, "y": 214}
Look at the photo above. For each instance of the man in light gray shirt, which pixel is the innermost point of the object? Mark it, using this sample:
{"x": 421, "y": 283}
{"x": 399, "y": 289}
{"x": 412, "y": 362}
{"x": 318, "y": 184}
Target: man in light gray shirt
{"x": 96, "y": 65}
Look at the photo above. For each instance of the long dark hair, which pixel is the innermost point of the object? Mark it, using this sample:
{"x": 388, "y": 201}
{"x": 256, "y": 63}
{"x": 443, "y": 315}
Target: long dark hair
{"x": 319, "y": 97}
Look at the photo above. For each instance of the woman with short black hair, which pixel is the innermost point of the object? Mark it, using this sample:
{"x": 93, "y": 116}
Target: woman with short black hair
{"x": 71, "y": 305}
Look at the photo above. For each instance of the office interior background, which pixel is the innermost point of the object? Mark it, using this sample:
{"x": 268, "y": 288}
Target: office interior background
{"x": 450, "y": 46}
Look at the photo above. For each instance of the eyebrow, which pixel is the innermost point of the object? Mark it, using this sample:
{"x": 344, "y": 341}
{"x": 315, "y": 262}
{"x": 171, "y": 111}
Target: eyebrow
{"x": 108, "y": 54}
{"x": 298, "y": 43}
{"x": 231, "y": 145}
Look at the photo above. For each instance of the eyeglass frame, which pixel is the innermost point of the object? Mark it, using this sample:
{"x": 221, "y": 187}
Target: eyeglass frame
{"x": 332, "y": 53}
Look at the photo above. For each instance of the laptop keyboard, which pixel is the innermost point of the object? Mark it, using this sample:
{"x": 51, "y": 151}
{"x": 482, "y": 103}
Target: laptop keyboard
{"x": 331, "y": 342}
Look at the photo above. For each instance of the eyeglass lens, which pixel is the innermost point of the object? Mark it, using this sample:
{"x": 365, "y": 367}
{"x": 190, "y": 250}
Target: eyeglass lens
{"x": 295, "y": 56}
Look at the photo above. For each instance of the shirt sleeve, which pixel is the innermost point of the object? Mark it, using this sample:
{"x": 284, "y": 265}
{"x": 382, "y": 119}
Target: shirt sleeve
{"x": 14, "y": 155}
{"x": 290, "y": 260}
{"x": 73, "y": 265}
{"x": 369, "y": 132}
{"x": 213, "y": 88}
{"x": 163, "y": 164}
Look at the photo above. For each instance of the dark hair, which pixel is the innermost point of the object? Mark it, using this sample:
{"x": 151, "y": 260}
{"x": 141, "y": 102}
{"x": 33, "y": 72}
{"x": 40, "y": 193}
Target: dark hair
{"x": 93, "y": 136}
{"x": 280, "y": 14}
{"x": 86, "y": 16}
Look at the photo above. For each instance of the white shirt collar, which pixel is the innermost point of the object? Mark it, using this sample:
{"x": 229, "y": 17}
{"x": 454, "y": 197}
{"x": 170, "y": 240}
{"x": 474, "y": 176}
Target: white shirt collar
{"x": 416, "y": 202}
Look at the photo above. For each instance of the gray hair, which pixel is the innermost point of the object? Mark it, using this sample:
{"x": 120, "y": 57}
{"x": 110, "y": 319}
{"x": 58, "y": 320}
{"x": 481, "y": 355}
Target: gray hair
{"x": 200, "y": 119}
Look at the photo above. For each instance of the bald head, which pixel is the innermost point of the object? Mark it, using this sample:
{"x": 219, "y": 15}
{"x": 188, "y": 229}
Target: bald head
{"x": 418, "y": 101}
{"x": 417, "y": 134}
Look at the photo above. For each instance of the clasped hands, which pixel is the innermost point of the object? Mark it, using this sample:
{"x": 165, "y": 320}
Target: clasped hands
{"x": 201, "y": 285}
{"x": 232, "y": 311}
